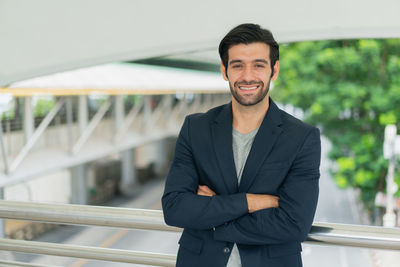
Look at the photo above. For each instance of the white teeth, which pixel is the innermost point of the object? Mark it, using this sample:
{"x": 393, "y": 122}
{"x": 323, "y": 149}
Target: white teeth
{"x": 248, "y": 88}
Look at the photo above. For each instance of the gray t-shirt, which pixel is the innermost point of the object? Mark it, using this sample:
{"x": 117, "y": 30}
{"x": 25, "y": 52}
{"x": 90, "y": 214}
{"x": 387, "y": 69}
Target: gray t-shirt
{"x": 241, "y": 145}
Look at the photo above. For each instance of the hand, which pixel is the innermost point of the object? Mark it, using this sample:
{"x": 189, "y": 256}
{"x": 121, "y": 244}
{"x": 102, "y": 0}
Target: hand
{"x": 257, "y": 202}
{"x": 204, "y": 190}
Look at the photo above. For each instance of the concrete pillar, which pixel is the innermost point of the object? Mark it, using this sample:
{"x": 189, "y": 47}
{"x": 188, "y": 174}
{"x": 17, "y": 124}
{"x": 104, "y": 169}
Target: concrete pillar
{"x": 2, "y": 221}
{"x": 167, "y": 114}
{"x": 83, "y": 113}
{"x": 3, "y": 149}
{"x": 70, "y": 134}
{"x": 29, "y": 125}
{"x": 161, "y": 160}
{"x": 119, "y": 112}
{"x": 147, "y": 112}
{"x": 78, "y": 173}
{"x": 78, "y": 185}
{"x": 128, "y": 172}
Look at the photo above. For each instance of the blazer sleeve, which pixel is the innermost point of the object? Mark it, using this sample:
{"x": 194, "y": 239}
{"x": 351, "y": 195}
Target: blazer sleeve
{"x": 182, "y": 206}
{"x": 292, "y": 220}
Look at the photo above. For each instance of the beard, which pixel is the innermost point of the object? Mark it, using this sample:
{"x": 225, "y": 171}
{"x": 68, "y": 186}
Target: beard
{"x": 253, "y": 100}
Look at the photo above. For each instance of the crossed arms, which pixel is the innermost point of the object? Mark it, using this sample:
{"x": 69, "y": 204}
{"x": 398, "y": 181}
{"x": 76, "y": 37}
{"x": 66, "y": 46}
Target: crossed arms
{"x": 255, "y": 202}
{"x": 244, "y": 218}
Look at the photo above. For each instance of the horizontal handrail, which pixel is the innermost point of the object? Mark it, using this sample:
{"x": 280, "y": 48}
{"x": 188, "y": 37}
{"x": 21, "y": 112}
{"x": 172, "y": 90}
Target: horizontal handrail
{"x": 85, "y": 215}
{"x": 21, "y": 264}
{"x": 321, "y": 233}
{"x": 95, "y": 253}
{"x": 354, "y": 236}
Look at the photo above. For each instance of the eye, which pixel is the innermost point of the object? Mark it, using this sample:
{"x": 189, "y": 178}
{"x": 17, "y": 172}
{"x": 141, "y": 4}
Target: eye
{"x": 260, "y": 66}
{"x": 236, "y": 66}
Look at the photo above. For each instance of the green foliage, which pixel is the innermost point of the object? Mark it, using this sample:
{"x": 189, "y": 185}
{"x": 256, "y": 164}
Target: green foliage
{"x": 351, "y": 89}
{"x": 132, "y": 99}
{"x": 8, "y": 115}
{"x": 42, "y": 107}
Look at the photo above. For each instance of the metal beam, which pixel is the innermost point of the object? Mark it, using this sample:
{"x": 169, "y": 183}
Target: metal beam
{"x": 95, "y": 253}
{"x": 195, "y": 105}
{"x": 129, "y": 120}
{"x": 178, "y": 109}
{"x": 92, "y": 125}
{"x": 161, "y": 108}
{"x": 33, "y": 139}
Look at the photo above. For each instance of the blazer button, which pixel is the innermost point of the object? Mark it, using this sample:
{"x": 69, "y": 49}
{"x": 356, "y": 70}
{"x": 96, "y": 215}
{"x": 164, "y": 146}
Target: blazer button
{"x": 226, "y": 250}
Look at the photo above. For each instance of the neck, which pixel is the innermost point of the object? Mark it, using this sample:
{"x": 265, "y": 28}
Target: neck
{"x": 248, "y": 118}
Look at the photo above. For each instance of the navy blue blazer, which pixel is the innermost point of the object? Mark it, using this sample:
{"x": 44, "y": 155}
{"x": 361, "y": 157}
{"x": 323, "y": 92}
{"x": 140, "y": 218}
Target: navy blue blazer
{"x": 284, "y": 161}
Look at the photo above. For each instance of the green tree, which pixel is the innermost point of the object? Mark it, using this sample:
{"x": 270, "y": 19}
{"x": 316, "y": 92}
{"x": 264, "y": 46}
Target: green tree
{"x": 42, "y": 107}
{"x": 351, "y": 89}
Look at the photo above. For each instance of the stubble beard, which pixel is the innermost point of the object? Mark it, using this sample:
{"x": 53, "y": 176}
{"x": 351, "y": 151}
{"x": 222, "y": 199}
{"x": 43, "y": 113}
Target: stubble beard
{"x": 255, "y": 99}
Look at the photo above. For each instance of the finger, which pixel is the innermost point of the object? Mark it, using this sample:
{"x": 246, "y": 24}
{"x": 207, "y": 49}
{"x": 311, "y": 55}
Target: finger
{"x": 202, "y": 192}
{"x": 210, "y": 191}
{"x": 207, "y": 189}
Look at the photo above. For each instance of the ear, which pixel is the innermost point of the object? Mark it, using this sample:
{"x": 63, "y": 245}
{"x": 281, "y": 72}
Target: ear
{"x": 276, "y": 71}
{"x": 223, "y": 71}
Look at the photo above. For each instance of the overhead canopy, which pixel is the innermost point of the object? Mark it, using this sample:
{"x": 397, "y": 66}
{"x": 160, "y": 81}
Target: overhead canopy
{"x": 45, "y": 36}
{"x": 121, "y": 79}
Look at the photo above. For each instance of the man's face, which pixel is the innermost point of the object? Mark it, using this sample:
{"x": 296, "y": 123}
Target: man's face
{"x": 249, "y": 72}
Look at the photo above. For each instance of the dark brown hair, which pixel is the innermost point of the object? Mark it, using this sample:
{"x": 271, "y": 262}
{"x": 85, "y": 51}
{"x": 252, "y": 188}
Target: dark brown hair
{"x": 246, "y": 34}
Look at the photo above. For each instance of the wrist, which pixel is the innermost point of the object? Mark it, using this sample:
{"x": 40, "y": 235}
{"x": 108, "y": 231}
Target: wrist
{"x": 250, "y": 202}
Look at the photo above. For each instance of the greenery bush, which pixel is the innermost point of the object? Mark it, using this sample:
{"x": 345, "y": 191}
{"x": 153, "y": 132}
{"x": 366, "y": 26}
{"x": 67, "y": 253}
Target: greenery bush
{"x": 43, "y": 106}
{"x": 351, "y": 89}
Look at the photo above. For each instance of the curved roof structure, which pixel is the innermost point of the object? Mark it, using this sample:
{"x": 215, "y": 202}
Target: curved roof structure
{"x": 44, "y": 36}
{"x": 121, "y": 79}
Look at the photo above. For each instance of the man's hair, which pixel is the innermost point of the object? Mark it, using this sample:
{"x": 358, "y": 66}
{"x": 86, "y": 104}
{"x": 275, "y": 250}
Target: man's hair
{"x": 246, "y": 34}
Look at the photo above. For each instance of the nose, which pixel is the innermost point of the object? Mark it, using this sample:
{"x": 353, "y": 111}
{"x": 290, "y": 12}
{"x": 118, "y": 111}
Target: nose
{"x": 247, "y": 74}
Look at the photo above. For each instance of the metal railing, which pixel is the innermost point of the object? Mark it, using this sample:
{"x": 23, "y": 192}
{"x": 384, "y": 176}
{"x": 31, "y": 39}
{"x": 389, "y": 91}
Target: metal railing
{"x": 20, "y": 264}
{"x": 321, "y": 233}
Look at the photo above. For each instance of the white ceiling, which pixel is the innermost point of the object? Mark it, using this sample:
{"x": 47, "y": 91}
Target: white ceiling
{"x": 46, "y": 36}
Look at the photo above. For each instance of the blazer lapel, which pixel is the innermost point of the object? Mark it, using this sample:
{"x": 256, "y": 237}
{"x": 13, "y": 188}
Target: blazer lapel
{"x": 222, "y": 139}
{"x": 262, "y": 145}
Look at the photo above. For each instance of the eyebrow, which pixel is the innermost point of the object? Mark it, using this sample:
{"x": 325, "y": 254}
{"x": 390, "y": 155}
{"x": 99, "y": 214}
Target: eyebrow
{"x": 240, "y": 61}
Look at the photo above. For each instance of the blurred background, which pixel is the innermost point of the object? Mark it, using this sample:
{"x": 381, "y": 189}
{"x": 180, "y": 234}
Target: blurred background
{"x": 93, "y": 94}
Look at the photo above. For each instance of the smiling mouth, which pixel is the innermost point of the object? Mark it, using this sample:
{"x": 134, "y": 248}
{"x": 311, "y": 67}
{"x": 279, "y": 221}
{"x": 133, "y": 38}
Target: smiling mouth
{"x": 248, "y": 88}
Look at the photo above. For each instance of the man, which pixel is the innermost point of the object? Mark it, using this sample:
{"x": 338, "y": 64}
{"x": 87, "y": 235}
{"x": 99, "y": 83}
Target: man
{"x": 244, "y": 180}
